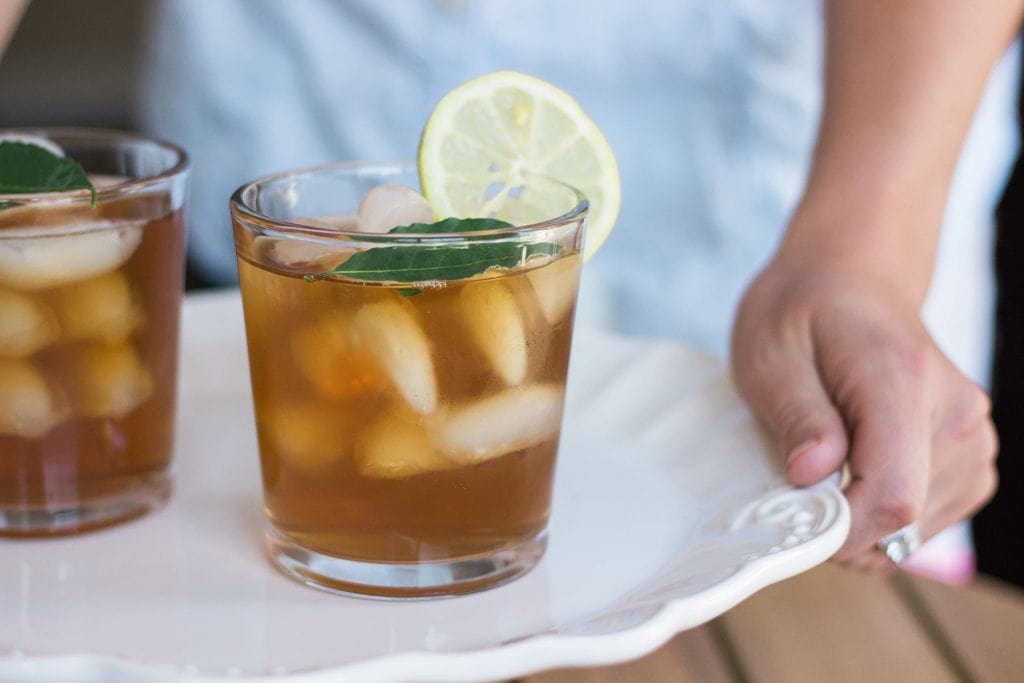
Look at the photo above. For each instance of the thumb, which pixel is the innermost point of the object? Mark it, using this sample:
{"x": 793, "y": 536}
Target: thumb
{"x": 786, "y": 394}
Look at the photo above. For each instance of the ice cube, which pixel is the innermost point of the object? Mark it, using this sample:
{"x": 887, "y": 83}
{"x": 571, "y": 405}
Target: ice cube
{"x": 389, "y": 206}
{"x": 324, "y": 355}
{"x": 389, "y": 330}
{"x": 510, "y": 420}
{"x": 28, "y": 407}
{"x": 41, "y": 257}
{"x": 26, "y": 324}
{"x": 101, "y": 308}
{"x": 554, "y": 285}
{"x": 293, "y": 252}
{"x": 109, "y": 380}
{"x": 306, "y": 252}
{"x": 308, "y": 434}
{"x": 394, "y": 446}
{"x": 492, "y": 315}
{"x": 319, "y": 352}
{"x": 335, "y": 221}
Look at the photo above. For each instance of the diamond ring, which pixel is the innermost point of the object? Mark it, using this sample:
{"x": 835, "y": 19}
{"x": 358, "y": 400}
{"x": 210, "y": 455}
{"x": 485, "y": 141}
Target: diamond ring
{"x": 898, "y": 545}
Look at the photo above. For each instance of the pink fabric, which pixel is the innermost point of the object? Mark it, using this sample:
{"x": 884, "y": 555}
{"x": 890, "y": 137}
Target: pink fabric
{"x": 949, "y": 557}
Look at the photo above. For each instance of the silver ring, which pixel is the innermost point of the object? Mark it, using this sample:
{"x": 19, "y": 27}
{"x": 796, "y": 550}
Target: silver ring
{"x": 899, "y": 545}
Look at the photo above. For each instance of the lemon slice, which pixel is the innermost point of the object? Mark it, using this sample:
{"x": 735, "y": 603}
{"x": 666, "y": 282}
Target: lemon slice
{"x": 488, "y": 141}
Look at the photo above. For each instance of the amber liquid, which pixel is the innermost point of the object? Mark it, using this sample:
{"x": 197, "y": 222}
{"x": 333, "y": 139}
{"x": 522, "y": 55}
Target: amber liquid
{"x": 105, "y": 370}
{"x": 362, "y": 457}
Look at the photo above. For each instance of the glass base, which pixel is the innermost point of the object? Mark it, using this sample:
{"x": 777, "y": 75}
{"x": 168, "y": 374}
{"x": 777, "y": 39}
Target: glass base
{"x": 404, "y": 581}
{"x": 61, "y": 520}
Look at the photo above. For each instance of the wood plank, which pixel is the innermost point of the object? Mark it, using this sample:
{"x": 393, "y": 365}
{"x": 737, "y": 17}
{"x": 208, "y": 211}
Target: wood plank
{"x": 691, "y": 657}
{"x": 833, "y": 624}
{"x": 982, "y": 622}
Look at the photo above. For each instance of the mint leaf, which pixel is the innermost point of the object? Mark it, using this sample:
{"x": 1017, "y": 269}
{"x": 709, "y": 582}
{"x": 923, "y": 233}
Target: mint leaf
{"x": 451, "y": 225}
{"x": 441, "y": 262}
{"x": 28, "y": 169}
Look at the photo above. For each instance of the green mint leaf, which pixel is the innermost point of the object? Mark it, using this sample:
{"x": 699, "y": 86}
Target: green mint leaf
{"x": 27, "y": 169}
{"x": 441, "y": 262}
{"x": 451, "y": 225}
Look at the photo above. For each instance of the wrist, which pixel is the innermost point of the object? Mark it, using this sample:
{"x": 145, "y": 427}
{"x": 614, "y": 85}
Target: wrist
{"x": 873, "y": 242}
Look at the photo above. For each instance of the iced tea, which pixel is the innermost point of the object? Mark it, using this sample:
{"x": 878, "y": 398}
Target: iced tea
{"x": 413, "y": 425}
{"x": 89, "y": 307}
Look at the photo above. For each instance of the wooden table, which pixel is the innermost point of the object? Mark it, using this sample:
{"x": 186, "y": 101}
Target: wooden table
{"x": 832, "y": 624}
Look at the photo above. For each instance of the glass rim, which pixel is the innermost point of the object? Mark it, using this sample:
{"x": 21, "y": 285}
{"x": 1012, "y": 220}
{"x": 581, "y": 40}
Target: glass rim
{"x": 285, "y": 228}
{"x": 181, "y": 165}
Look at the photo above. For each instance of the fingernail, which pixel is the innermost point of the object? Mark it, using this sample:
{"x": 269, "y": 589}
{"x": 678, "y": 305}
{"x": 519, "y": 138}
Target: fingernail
{"x": 801, "y": 450}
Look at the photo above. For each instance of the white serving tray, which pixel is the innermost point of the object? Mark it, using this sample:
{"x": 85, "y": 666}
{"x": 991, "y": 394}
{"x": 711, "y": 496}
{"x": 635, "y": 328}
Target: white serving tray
{"x": 669, "y": 509}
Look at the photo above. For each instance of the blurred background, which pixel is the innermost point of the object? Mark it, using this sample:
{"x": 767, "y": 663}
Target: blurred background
{"x": 75, "y": 62}
{"x": 57, "y": 72}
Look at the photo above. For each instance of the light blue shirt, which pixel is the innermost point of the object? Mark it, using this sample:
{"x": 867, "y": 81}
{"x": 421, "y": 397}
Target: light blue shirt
{"x": 710, "y": 106}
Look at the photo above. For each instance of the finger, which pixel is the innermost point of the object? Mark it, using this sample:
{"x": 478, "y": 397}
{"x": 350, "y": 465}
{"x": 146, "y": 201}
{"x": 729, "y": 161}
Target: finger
{"x": 962, "y": 473}
{"x": 964, "y": 447}
{"x": 889, "y": 458}
{"x": 969, "y": 410}
{"x": 784, "y": 390}
{"x": 936, "y": 517}
{"x": 873, "y": 561}
{"x": 940, "y": 515}
{"x": 966, "y": 484}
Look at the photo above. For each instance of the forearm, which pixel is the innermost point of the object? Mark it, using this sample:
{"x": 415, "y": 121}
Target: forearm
{"x": 902, "y": 81}
{"x": 10, "y": 15}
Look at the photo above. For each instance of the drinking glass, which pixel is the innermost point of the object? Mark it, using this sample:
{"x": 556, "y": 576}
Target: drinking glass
{"x": 89, "y": 306}
{"x": 407, "y": 426}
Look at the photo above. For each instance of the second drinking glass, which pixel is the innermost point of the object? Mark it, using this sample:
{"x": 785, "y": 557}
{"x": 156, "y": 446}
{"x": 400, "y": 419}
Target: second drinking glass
{"x": 90, "y": 298}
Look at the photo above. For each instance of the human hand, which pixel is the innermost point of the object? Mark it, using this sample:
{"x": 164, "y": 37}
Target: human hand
{"x": 839, "y": 368}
